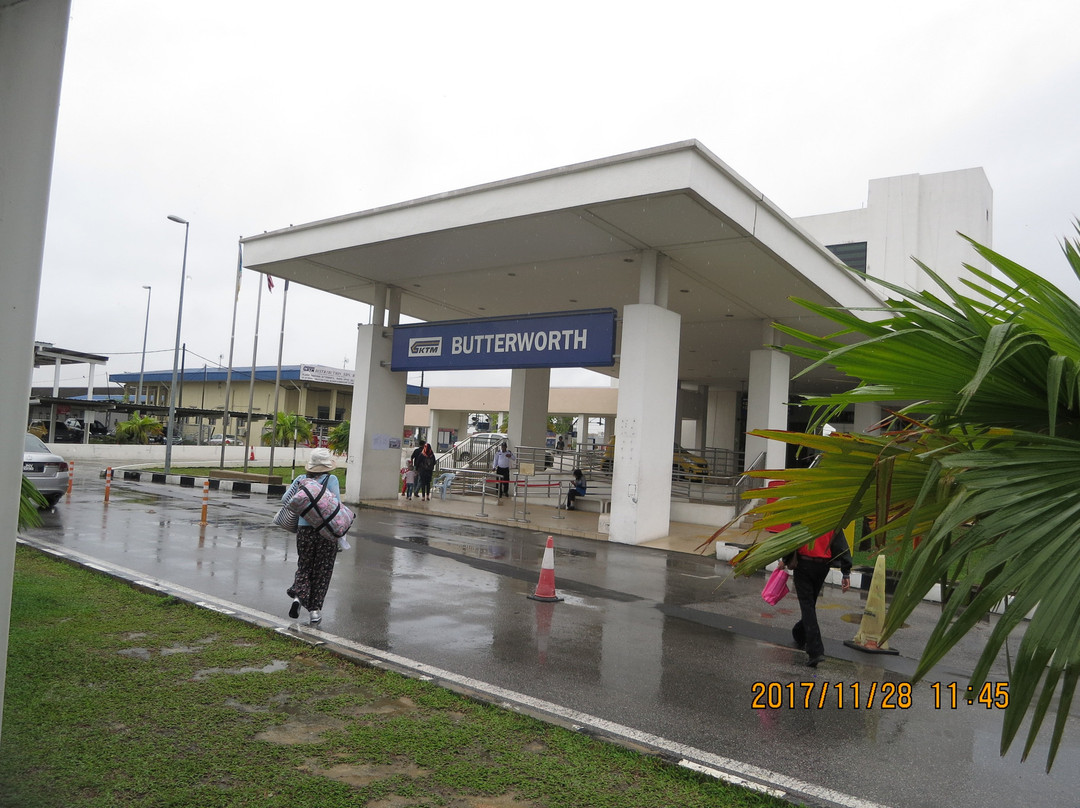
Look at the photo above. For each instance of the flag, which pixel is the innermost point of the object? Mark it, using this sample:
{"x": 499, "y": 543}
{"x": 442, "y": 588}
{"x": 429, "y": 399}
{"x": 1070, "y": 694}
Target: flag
{"x": 239, "y": 267}
{"x": 270, "y": 283}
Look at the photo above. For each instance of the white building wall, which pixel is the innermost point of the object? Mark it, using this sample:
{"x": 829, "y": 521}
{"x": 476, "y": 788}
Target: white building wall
{"x": 915, "y": 216}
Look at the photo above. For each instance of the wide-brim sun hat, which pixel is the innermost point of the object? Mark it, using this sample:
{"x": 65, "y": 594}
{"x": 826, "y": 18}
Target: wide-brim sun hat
{"x": 320, "y": 460}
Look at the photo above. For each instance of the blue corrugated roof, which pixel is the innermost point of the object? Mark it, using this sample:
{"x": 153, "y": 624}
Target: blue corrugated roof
{"x": 262, "y": 373}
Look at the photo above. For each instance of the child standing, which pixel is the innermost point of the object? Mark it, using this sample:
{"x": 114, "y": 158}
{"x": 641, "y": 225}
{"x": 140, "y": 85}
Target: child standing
{"x": 410, "y": 480}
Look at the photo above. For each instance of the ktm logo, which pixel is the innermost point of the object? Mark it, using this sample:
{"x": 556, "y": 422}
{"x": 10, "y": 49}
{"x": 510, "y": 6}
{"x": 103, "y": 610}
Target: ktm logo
{"x": 425, "y": 346}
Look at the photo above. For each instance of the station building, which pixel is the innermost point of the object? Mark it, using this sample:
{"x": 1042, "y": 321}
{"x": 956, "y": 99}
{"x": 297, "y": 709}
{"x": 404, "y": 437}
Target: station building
{"x": 694, "y": 262}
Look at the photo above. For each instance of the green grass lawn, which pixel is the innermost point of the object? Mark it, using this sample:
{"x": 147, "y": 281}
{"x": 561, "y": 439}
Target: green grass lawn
{"x": 116, "y": 697}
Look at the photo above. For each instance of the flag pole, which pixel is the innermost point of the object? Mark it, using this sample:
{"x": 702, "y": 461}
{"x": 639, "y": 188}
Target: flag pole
{"x": 277, "y": 379}
{"x": 251, "y": 386}
{"x": 232, "y": 344}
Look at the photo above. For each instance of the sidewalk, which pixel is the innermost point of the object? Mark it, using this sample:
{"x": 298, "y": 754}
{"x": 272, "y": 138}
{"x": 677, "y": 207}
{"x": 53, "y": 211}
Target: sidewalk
{"x": 541, "y": 515}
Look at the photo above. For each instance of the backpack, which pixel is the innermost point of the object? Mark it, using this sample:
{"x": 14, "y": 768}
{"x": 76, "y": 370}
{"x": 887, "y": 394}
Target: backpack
{"x": 321, "y": 507}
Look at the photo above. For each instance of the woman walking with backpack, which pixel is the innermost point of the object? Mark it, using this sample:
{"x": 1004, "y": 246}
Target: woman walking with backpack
{"x": 315, "y": 554}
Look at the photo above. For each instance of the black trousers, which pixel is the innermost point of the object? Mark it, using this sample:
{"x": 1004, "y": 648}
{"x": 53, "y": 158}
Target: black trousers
{"x": 809, "y": 577}
{"x": 504, "y": 474}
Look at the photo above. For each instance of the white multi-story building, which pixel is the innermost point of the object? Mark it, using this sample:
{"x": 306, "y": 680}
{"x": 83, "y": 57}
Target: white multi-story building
{"x": 912, "y": 216}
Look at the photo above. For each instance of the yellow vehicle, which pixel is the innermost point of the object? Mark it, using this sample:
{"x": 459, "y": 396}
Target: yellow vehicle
{"x": 38, "y": 428}
{"x": 684, "y": 464}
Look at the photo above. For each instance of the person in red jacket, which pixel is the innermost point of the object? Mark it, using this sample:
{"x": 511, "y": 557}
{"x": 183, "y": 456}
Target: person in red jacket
{"x": 810, "y": 565}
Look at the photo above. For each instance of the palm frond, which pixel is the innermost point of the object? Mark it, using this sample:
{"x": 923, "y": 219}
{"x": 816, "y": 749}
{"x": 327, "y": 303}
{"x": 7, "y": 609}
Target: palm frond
{"x": 975, "y": 485}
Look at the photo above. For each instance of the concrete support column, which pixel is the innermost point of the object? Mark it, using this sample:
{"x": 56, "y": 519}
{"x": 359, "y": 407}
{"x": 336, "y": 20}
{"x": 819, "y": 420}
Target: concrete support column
{"x": 766, "y": 405}
{"x": 653, "y": 278}
{"x": 393, "y": 304}
{"x": 87, "y": 415}
{"x": 722, "y": 419}
{"x": 436, "y": 419}
{"x": 378, "y": 411}
{"x": 32, "y": 41}
{"x": 529, "y": 388}
{"x": 867, "y": 415}
{"x": 583, "y": 430}
{"x": 644, "y": 425}
{"x": 378, "y": 308}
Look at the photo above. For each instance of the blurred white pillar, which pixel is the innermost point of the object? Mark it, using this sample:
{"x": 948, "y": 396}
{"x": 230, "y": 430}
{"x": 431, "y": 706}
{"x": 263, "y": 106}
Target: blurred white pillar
{"x": 32, "y": 40}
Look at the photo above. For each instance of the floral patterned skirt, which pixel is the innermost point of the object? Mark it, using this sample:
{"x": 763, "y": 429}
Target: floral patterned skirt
{"x": 315, "y": 557}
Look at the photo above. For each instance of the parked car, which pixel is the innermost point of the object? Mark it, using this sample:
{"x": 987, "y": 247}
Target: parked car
{"x": 38, "y": 428}
{"x": 44, "y": 469}
{"x": 486, "y": 442}
{"x": 476, "y": 445}
{"x": 62, "y": 433}
{"x": 177, "y": 439}
{"x": 76, "y": 424}
{"x": 215, "y": 440}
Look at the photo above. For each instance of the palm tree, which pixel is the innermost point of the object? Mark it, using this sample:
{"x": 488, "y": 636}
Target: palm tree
{"x": 138, "y": 429}
{"x": 974, "y": 483}
{"x": 30, "y": 500}
{"x": 288, "y": 427}
{"x": 337, "y": 440}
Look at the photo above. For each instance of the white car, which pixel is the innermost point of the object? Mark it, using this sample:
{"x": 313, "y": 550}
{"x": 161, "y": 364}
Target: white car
{"x": 215, "y": 440}
{"x": 483, "y": 446}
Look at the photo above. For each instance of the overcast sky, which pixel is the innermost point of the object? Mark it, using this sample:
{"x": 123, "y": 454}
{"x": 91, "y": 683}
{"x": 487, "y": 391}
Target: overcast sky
{"x": 244, "y": 117}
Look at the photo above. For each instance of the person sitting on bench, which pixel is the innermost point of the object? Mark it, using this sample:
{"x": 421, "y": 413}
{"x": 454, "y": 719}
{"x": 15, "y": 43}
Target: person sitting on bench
{"x": 577, "y": 489}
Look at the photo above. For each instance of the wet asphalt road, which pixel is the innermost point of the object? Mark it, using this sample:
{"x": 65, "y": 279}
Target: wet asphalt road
{"x": 655, "y": 641}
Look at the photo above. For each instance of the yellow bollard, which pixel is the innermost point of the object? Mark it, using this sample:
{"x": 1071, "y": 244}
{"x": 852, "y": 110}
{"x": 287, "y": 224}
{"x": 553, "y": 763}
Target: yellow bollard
{"x": 71, "y": 476}
{"x": 868, "y": 637}
{"x": 108, "y": 484}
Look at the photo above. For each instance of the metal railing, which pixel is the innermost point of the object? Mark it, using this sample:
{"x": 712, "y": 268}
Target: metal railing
{"x": 724, "y": 483}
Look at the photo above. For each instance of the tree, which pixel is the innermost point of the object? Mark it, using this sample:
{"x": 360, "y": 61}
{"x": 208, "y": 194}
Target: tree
{"x": 561, "y": 424}
{"x": 337, "y": 440}
{"x": 30, "y": 500}
{"x": 138, "y": 429}
{"x": 287, "y": 427}
{"x": 973, "y": 483}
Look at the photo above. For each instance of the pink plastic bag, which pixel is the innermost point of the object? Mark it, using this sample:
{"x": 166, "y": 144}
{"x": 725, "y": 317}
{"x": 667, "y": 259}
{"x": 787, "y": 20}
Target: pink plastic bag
{"x": 776, "y": 587}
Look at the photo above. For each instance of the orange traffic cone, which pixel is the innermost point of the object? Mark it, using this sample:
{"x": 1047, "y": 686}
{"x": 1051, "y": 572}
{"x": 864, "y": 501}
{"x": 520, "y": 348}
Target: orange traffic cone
{"x": 545, "y": 589}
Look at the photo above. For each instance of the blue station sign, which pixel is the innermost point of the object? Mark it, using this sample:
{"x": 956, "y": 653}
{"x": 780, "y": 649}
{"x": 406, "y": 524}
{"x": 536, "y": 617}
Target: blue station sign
{"x": 566, "y": 339}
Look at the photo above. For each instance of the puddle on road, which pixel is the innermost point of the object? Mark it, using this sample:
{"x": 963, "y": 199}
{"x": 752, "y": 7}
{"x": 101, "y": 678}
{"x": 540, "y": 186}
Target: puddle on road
{"x": 460, "y": 546}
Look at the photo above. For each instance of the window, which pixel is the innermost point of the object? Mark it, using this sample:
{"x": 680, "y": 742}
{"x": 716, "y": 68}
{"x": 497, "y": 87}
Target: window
{"x": 852, "y": 254}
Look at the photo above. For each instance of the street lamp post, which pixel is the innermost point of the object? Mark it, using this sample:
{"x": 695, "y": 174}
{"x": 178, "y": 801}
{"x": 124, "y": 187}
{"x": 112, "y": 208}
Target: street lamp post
{"x": 169, "y": 430}
{"x": 142, "y": 364}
